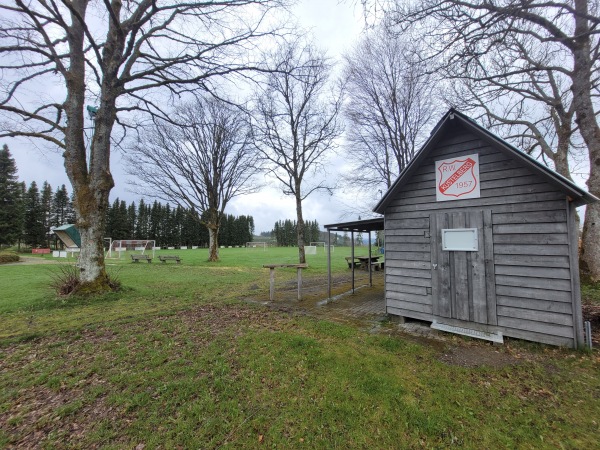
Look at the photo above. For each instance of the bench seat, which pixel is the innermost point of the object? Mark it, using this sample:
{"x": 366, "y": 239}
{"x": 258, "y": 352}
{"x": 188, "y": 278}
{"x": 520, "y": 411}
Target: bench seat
{"x": 165, "y": 258}
{"x": 138, "y": 258}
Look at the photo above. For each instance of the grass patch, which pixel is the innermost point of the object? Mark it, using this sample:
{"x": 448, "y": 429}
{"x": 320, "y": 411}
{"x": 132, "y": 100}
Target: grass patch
{"x": 29, "y": 306}
{"x": 238, "y": 376}
{"x": 175, "y": 360}
{"x": 590, "y": 294}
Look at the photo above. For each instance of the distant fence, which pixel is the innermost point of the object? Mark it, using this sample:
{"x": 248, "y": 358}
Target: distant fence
{"x": 40, "y": 251}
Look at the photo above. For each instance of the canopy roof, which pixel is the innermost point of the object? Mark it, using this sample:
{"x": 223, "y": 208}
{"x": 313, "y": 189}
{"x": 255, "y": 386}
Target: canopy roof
{"x": 69, "y": 234}
{"x": 357, "y": 225}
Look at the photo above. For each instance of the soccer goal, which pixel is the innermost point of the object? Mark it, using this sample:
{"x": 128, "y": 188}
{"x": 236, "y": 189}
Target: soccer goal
{"x": 322, "y": 244}
{"x": 310, "y": 249}
{"x": 139, "y": 246}
{"x": 257, "y": 245}
{"x": 107, "y": 247}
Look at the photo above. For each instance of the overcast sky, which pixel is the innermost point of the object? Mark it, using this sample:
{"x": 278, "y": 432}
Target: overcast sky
{"x": 336, "y": 26}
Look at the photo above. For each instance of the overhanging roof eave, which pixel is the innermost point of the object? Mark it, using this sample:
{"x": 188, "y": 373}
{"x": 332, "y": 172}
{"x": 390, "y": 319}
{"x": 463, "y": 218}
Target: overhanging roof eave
{"x": 361, "y": 226}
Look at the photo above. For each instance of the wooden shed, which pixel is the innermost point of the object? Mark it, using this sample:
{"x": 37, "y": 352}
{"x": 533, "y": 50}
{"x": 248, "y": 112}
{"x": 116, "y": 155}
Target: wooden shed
{"x": 481, "y": 239}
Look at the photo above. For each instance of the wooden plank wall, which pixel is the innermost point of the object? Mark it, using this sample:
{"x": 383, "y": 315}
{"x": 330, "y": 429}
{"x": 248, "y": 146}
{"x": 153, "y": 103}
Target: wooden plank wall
{"x": 533, "y": 279}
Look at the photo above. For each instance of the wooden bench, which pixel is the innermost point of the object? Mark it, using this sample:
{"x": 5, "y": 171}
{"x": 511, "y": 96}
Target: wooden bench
{"x": 272, "y": 267}
{"x": 138, "y": 258}
{"x": 378, "y": 265}
{"x": 349, "y": 261}
{"x": 165, "y": 258}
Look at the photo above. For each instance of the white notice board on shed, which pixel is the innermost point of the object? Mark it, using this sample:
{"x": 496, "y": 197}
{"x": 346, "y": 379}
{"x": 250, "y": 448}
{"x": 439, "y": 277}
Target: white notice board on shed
{"x": 460, "y": 239}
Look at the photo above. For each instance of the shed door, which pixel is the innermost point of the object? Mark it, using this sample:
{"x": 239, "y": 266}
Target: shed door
{"x": 463, "y": 282}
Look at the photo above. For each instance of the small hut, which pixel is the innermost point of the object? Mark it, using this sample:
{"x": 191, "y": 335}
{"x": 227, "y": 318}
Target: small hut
{"x": 69, "y": 235}
{"x": 481, "y": 239}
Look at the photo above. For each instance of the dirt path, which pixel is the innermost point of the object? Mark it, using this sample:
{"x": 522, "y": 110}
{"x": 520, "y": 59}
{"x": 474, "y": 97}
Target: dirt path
{"x": 32, "y": 260}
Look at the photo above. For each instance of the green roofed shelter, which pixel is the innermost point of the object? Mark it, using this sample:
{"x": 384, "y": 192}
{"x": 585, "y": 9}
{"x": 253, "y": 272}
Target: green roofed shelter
{"x": 69, "y": 235}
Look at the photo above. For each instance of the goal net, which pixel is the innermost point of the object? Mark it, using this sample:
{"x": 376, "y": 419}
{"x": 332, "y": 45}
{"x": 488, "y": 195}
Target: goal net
{"x": 139, "y": 246}
{"x": 324, "y": 245}
{"x": 262, "y": 245}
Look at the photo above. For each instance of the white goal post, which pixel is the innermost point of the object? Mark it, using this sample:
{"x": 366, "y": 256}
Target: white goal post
{"x": 324, "y": 245}
{"x": 109, "y": 251}
{"x": 140, "y": 246}
{"x": 256, "y": 245}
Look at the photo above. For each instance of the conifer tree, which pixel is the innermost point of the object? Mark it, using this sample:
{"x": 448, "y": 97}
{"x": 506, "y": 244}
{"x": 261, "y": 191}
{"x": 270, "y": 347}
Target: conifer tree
{"x": 71, "y": 214}
{"x": 46, "y": 197}
{"x": 34, "y": 230}
{"x": 131, "y": 218}
{"x": 10, "y": 198}
{"x": 60, "y": 207}
{"x": 141, "y": 225}
{"x": 154, "y": 223}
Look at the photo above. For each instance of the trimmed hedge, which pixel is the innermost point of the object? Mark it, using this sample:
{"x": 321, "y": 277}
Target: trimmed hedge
{"x": 8, "y": 257}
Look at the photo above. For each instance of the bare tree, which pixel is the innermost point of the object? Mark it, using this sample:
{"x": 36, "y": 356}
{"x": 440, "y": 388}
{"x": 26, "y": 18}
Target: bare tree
{"x": 200, "y": 159}
{"x": 122, "y": 54}
{"x": 390, "y": 104}
{"x": 534, "y": 114}
{"x": 295, "y": 124}
{"x": 466, "y": 31}
{"x": 517, "y": 89}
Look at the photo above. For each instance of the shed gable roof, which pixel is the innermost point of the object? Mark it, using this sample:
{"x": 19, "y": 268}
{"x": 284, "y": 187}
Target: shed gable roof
{"x": 451, "y": 118}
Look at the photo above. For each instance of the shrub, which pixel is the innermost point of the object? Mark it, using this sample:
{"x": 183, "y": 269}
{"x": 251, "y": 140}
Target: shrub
{"x": 66, "y": 281}
{"x": 8, "y": 257}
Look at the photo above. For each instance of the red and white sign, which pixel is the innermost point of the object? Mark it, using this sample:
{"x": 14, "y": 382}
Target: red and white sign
{"x": 457, "y": 178}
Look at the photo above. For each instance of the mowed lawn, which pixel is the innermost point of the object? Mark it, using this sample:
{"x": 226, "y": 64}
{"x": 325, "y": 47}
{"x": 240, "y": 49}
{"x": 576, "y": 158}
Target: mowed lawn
{"x": 178, "y": 360}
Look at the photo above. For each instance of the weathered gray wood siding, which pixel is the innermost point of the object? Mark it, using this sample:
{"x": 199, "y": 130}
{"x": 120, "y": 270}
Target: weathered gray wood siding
{"x": 530, "y": 239}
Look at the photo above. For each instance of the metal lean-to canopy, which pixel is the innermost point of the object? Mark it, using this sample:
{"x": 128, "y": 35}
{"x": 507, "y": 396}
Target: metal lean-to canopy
{"x": 357, "y": 226}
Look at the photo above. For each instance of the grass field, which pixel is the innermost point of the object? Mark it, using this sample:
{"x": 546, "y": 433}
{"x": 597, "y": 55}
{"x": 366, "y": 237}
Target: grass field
{"x": 178, "y": 360}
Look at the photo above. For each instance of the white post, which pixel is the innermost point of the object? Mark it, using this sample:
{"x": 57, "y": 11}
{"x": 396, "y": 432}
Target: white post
{"x": 352, "y": 256}
{"x": 370, "y": 270}
{"x": 328, "y": 263}
{"x": 272, "y": 283}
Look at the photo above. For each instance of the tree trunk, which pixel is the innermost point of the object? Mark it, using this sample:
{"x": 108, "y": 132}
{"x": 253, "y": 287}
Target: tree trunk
{"x": 91, "y": 203}
{"x": 561, "y": 158}
{"x": 300, "y": 228}
{"x": 92, "y": 188}
{"x": 93, "y": 274}
{"x": 588, "y": 127}
{"x": 213, "y": 223}
{"x": 91, "y": 185}
{"x": 213, "y": 246}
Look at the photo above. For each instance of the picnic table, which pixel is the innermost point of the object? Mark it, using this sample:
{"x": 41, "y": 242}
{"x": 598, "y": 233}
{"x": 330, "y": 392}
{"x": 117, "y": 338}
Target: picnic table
{"x": 374, "y": 260}
{"x": 362, "y": 262}
{"x": 272, "y": 268}
{"x": 352, "y": 261}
